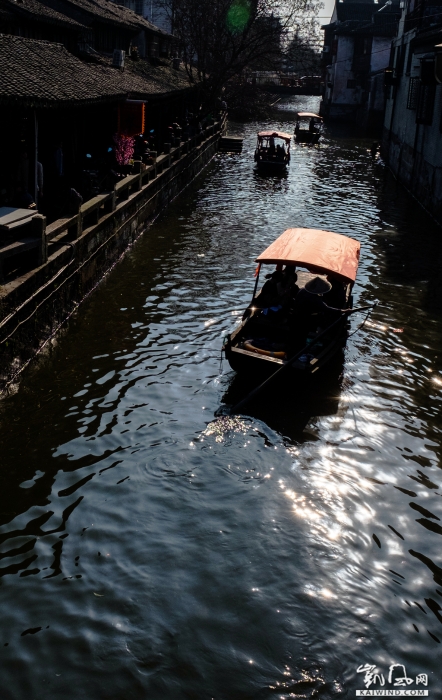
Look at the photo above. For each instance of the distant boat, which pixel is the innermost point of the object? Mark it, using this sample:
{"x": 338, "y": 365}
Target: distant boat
{"x": 272, "y": 150}
{"x": 273, "y": 329}
{"x": 312, "y": 132}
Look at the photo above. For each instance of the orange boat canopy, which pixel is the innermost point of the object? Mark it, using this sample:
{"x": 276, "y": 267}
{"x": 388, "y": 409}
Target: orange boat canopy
{"x": 319, "y": 251}
{"x": 310, "y": 115}
{"x": 275, "y": 134}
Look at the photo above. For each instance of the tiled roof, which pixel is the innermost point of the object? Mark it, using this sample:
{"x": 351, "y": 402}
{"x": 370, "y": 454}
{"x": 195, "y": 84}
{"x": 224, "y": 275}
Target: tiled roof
{"x": 35, "y": 10}
{"x": 103, "y": 10}
{"x": 77, "y": 13}
{"x": 42, "y": 74}
{"x": 161, "y": 79}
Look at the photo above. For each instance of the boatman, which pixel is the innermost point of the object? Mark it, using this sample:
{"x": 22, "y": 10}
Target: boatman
{"x": 309, "y": 300}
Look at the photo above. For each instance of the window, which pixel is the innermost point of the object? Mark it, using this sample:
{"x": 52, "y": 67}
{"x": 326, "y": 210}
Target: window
{"x": 413, "y": 93}
{"x": 426, "y": 104}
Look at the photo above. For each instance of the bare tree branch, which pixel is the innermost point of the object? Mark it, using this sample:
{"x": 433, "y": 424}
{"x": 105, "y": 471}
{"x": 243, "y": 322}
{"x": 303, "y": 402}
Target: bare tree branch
{"x": 219, "y": 39}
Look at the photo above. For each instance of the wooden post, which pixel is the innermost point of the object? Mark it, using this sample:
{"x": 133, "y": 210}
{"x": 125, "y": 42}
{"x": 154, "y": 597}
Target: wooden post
{"x": 38, "y": 224}
{"x": 79, "y": 228}
{"x": 110, "y": 203}
{"x": 96, "y": 217}
{"x": 138, "y": 166}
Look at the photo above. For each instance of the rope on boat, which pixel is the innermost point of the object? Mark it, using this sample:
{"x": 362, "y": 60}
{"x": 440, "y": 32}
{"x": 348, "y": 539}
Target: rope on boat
{"x": 361, "y": 325}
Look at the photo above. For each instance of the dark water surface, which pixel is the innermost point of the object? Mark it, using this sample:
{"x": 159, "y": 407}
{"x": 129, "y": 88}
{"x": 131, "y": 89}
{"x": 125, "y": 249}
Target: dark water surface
{"x": 150, "y": 550}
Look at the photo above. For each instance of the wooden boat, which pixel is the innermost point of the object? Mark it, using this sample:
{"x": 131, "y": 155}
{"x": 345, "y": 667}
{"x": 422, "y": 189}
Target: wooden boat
{"x": 272, "y": 333}
{"x": 272, "y": 151}
{"x": 311, "y": 133}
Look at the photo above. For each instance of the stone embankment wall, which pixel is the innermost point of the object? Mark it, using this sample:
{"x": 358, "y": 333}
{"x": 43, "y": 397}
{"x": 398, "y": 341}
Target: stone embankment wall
{"x": 74, "y": 254}
{"x": 415, "y": 167}
{"x": 411, "y": 144}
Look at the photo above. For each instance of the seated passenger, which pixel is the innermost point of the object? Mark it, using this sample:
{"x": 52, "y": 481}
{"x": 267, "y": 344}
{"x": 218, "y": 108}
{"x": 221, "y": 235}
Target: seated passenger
{"x": 288, "y": 288}
{"x": 309, "y": 301}
{"x": 337, "y": 296}
{"x": 270, "y": 295}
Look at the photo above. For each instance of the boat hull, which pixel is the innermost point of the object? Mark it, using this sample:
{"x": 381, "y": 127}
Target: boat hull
{"x": 271, "y": 166}
{"x": 255, "y": 364}
{"x": 307, "y": 137}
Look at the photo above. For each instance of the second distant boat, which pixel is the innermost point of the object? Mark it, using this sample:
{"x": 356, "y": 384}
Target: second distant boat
{"x": 272, "y": 150}
{"x": 310, "y": 134}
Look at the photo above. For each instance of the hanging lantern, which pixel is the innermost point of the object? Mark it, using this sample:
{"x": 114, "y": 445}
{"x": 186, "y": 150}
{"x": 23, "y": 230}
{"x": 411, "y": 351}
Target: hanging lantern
{"x": 131, "y": 117}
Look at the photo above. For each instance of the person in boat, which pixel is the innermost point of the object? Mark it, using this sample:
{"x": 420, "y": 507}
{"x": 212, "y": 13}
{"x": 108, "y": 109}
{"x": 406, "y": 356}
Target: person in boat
{"x": 309, "y": 301}
{"x": 288, "y": 287}
{"x": 290, "y": 291}
{"x": 271, "y": 145}
{"x": 271, "y": 291}
{"x": 337, "y": 295}
{"x": 312, "y": 126}
{"x": 297, "y": 128}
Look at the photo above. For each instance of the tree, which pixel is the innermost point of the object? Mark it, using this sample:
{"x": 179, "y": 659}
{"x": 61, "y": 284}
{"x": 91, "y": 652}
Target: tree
{"x": 221, "y": 38}
{"x": 303, "y": 57}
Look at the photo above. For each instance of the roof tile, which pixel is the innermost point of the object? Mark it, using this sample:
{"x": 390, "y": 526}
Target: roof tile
{"x": 44, "y": 74}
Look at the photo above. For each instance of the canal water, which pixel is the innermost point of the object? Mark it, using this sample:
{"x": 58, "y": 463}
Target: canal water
{"x": 154, "y": 548}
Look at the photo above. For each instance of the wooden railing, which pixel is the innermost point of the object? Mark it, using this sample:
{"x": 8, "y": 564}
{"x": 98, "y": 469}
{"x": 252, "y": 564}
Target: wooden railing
{"x": 31, "y": 236}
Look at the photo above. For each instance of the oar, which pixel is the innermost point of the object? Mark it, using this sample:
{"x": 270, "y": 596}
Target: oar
{"x": 287, "y": 364}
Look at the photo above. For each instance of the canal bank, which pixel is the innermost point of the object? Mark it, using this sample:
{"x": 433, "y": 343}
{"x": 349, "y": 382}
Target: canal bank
{"x": 73, "y": 254}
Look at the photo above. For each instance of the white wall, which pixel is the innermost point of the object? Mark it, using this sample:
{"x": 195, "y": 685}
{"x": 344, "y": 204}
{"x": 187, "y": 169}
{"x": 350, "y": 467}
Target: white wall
{"x": 380, "y": 53}
{"x": 342, "y": 72}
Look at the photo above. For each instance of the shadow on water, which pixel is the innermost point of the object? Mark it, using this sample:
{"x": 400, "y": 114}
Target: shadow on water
{"x": 411, "y": 241}
{"x": 289, "y": 403}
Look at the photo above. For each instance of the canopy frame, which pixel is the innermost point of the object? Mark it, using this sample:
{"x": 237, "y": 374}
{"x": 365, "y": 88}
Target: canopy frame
{"x": 322, "y": 252}
{"x": 274, "y": 134}
{"x": 309, "y": 115}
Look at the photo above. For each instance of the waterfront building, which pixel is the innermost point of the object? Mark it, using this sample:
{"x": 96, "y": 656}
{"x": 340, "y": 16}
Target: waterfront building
{"x": 412, "y": 139}
{"x": 77, "y": 72}
{"x": 85, "y": 26}
{"x": 356, "y": 51}
{"x": 50, "y": 97}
